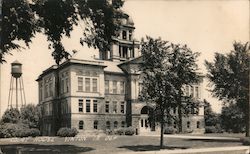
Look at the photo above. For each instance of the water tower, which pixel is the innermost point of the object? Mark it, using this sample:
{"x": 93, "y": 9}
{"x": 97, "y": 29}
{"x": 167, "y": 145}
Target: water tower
{"x": 18, "y": 88}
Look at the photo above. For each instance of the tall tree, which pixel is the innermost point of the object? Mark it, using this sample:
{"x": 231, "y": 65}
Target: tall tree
{"x": 56, "y": 19}
{"x": 211, "y": 118}
{"x": 232, "y": 119}
{"x": 183, "y": 66}
{"x": 160, "y": 59}
{"x": 229, "y": 75}
{"x": 30, "y": 116}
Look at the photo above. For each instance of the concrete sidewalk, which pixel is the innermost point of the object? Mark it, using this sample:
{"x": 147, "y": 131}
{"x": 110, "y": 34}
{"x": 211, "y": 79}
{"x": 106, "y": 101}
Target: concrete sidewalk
{"x": 196, "y": 137}
{"x": 217, "y": 150}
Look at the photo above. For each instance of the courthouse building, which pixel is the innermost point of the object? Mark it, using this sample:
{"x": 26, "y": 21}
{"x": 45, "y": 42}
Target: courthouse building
{"x": 102, "y": 94}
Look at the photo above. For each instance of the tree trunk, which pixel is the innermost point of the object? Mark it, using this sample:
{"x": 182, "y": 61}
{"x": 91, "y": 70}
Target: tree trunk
{"x": 162, "y": 128}
{"x": 248, "y": 119}
{"x": 179, "y": 119}
{"x": 179, "y": 112}
{"x": 162, "y": 132}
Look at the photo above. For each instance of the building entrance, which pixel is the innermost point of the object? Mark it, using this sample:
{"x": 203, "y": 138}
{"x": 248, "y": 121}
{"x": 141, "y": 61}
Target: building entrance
{"x": 144, "y": 122}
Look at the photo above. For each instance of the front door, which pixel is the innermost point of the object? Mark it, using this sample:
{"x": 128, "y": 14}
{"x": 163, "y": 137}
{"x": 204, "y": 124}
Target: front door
{"x": 144, "y": 123}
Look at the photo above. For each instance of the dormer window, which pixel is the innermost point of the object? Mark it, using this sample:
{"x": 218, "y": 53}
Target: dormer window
{"x": 124, "y": 35}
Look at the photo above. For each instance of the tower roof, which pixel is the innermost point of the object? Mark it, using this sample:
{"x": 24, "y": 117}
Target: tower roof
{"x": 16, "y": 62}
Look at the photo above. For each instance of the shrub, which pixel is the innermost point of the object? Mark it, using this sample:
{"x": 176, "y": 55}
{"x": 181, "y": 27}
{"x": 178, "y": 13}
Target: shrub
{"x": 33, "y": 132}
{"x": 67, "y": 132}
{"x": 124, "y": 131}
{"x": 119, "y": 131}
{"x": 109, "y": 132}
{"x": 245, "y": 141}
{"x": 170, "y": 130}
{"x": 129, "y": 131}
{"x": 213, "y": 129}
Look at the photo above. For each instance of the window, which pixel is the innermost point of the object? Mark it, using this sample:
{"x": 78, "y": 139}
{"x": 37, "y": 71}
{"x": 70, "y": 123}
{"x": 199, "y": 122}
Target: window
{"x": 114, "y": 87}
{"x": 198, "y": 124}
{"x": 141, "y": 122}
{"x": 122, "y": 107}
{"x": 132, "y": 52}
{"x": 122, "y": 87}
{"x": 192, "y": 91}
{"x": 95, "y": 124}
{"x": 114, "y": 107}
{"x": 50, "y": 108}
{"x": 120, "y": 51}
{"x": 81, "y": 124}
{"x": 115, "y": 124}
{"x": 40, "y": 91}
{"x": 80, "y": 84}
{"x": 124, "y": 35}
{"x": 187, "y": 90}
{"x": 188, "y": 124}
{"x": 87, "y": 105}
{"x": 123, "y": 124}
{"x": 95, "y": 107}
{"x": 50, "y": 89}
{"x": 46, "y": 91}
{"x": 124, "y": 52}
{"x": 106, "y": 86}
{"x": 175, "y": 125}
{"x": 107, "y": 107}
{"x": 80, "y": 104}
{"x": 197, "y": 92}
{"x": 107, "y": 125}
{"x": 94, "y": 85}
{"x": 174, "y": 110}
{"x": 62, "y": 86}
{"x": 67, "y": 85}
{"x": 87, "y": 84}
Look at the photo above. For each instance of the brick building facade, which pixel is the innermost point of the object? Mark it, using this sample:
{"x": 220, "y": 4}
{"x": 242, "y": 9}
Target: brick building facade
{"x": 102, "y": 94}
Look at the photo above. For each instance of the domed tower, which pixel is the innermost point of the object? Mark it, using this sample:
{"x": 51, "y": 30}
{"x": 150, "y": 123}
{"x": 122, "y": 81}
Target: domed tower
{"x": 16, "y": 73}
{"x": 124, "y": 46}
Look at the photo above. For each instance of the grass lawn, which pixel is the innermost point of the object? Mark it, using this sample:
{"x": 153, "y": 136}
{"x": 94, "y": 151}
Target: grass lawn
{"x": 93, "y": 145}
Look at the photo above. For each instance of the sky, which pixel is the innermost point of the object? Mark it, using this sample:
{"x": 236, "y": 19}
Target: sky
{"x": 206, "y": 26}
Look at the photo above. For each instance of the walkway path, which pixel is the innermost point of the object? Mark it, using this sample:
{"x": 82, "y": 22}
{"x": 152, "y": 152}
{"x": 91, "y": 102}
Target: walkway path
{"x": 217, "y": 150}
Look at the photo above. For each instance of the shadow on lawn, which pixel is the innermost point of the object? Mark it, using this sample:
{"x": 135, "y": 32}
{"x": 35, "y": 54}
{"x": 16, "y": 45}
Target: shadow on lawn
{"x": 42, "y": 149}
{"x": 151, "y": 147}
{"x": 214, "y": 140}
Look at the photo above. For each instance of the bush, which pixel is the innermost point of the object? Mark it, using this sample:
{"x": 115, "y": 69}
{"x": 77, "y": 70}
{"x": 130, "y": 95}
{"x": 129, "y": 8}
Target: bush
{"x": 17, "y": 130}
{"x": 213, "y": 129}
{"x": 124, "y": 131}
{"x": 67, "y": 132}
{"x": 33, "y": 132}
{"x": 129, "y": 131}
{"x": 245, "y": 141}
{"x": 8, "y": 130}
{"x": 109, "y": 132}
{"x": 119, "y": 131}
{"x": 170, "y": 130}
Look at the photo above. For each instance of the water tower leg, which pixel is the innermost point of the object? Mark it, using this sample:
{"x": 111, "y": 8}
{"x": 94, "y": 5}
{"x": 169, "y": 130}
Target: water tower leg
{"x": 16, "y": 94}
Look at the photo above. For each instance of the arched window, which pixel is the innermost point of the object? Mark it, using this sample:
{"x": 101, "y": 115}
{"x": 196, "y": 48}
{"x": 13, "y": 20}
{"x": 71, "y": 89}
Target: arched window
{"x": 198, "y": 124}
{"x": 81, "y": 124}
{"x": 107, "y": 125}
{"x": 115, "y": 124}
{"x": 95, "y": 124}
{"x": 123, "y": 124}
{"x": 175, "y": 125}
{"x": 188, "y": 124}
